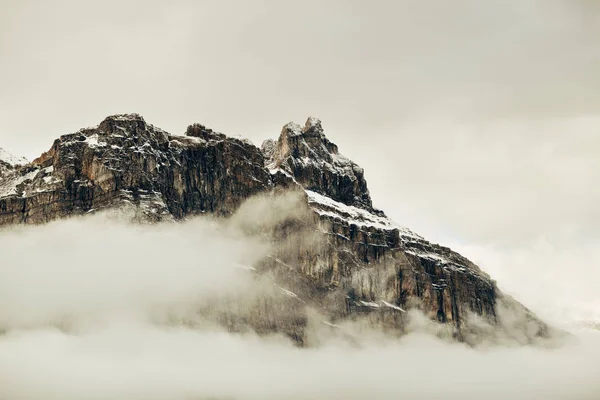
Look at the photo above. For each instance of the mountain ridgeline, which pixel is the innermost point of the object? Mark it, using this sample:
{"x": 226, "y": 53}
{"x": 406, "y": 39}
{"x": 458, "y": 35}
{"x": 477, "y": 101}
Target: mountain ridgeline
{"x": 352, "y": 262}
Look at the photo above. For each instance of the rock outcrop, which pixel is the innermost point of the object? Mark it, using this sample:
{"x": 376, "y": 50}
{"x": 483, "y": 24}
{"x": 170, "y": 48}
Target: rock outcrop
{"x": 352, "y": 263}
{"x": 125, "y": 161}
{"x": 316, "y": 164}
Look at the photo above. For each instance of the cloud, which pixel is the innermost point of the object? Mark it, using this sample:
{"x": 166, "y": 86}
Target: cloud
{"x": 80, "y": 267}
{"x": 133, "y": 360}
{"x": 94, "y": 308}
{"x": 83, "y": 267}
{"x": 555, "y": 278}
{"x": 476, "y": 124}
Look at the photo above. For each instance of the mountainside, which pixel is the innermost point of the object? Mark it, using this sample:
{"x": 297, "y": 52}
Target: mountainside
{"x": 9, "y": 162}
{"x": 352, "y": 262}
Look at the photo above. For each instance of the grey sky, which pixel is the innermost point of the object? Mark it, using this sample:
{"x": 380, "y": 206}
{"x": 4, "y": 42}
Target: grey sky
{"x": 477, "y": 122}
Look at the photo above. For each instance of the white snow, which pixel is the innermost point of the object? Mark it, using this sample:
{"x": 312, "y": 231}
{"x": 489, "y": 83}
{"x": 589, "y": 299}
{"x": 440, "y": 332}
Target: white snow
{"x": 373, "y": 304}
{"x": 48, "y": 179}
{"x": 11, "y": 159}
{"x": 355, "y": 215}
{"x": 94, "y": 141}
{"x": 339, "y": 165}
{"x": 125, "y": 117}
{"x": 444, "y": 261}
{"x": 290, "y": 294}
{"x": 8, "y": 186}
{"x": 184, "y": 140}
{"x": 152, "y": 202}
{"x": 273, "y": 171}
{"x": 330, "y": 324}
{"x": 370, "y": 304}
{"x": 428, "y": 255}
{"x": 385, "y": 303}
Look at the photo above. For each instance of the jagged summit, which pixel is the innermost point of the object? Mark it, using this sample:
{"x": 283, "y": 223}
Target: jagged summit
{"x": 314, "y": 161}
{"x": 124, "y": 117}
{"x": 125, "y": 124}
{"x": 353, "y": 261}
{"x": 313, "y": 123}
{"x": 312, "y": 127}
{"x": 291, "y": 129}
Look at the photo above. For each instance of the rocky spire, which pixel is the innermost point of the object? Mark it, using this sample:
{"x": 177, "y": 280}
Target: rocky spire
{"x": 315, "y": 163}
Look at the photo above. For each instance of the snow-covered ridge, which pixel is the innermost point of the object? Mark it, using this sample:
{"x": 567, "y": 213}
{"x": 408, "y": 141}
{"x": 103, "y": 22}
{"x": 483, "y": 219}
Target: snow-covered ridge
{"x": 26, "y": 183}
{"x": 415, "y": 244}
{"x": 354, "y": 215}
{"x": 438, "y": 258}
{"x": 10, "y": 159}
{"x": 339, "y": 164}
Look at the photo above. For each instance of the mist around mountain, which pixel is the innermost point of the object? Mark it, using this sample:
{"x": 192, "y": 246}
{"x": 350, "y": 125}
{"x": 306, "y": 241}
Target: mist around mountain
{"x": 128, "y": 290}
{"x": 336, "y": 253}
{"x": 94, "y": 307}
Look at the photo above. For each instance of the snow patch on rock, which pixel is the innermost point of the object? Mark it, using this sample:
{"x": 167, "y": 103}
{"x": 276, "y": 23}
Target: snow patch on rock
{"x": 10, "y": 186}
{"x": 12, "y": 160}
{"x": 326, "y": 206}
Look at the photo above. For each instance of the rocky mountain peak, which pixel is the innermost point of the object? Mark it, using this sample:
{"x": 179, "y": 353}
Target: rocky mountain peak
{"x": 307, "y": 141}
{"x": 315, "y": 162}
{"x": 313, "y": 124}
{"x": 126, "y": 123}
{"x": 291, "y": 129}
{"x": 351, "y": 262}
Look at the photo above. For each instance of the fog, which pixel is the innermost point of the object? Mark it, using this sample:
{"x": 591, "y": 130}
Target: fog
{"x": 94, "y": 308}
{"x": 131, "y": 360}
{"x": 559, "y": 280}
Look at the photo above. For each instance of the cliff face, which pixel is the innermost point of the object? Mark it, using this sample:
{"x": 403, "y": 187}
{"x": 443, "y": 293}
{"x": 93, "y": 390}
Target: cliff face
{"x": 352, "y": 263}
{"x": 125, "y": 161}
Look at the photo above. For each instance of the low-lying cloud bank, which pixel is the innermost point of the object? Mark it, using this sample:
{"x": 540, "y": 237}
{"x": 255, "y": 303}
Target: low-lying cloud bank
{"x": 131, "y": 360}
{"x": 87, "y": 308}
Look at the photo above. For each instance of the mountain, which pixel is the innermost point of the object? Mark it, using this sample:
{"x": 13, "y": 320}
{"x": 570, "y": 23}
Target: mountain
{"x": 342, "y": 257}
{"x": 9, "y": 162}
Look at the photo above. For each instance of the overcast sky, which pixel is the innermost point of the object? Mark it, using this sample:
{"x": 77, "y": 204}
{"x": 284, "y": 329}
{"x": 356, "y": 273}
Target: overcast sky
{"x": 477, "y": 122}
